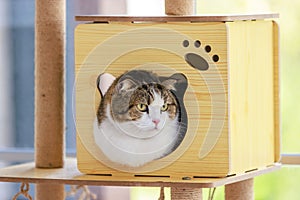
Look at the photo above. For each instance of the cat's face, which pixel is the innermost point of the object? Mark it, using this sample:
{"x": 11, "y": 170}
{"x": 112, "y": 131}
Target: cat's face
{"x": 151, "y": 107}
{"x": 142, "y": 106}
{"x": 143, "y": 110}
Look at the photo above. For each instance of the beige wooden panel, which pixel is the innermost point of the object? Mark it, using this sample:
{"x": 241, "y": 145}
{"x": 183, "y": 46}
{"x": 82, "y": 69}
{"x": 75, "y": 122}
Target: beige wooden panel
{"x": 276, "y": 92}
{"x": 176, "y": 18}
{"x": 70, "y": 175}
{"x": 95, "y": 42}
{"x": 251, "y": 83}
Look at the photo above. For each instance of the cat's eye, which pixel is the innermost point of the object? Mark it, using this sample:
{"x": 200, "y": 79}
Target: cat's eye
{"x": 164, "y": 107}
{"x": 142, "y": 107}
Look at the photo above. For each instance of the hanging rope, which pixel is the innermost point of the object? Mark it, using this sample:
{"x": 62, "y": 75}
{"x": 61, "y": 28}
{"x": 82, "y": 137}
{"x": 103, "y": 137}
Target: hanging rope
{"x": 86, "y": 194}
{"x": 24, "y": 189}
{"x": 211, "y": 193}
{"x": 162, "y": 193}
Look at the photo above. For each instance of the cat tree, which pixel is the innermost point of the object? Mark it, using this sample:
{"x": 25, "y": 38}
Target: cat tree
{"x": 49, "y": 92}
{"x": 51, "y": 170}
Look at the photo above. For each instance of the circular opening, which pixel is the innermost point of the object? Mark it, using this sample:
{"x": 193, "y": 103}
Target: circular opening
{"x": 145, "y": 110}
{"x": 197, "y": 43}
{"x": 215, "y": 58}
{"x": 207, "y": 48}
{"x": 185, "y": 43}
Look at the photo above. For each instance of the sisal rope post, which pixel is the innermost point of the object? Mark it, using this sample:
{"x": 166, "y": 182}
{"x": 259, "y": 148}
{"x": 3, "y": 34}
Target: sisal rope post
{"x": 242, "y": 190}
{"x": 49, "y": 92}
{"x": 46, "y": 191}
{"x": 49, "y": 83}
{"x": 182, "y": 7}
{"x": 179, "y": 7}
{"x": 183, "y": 193}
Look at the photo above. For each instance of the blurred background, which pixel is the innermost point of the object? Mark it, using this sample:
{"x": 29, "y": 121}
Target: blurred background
{"x": 17, "y": 85}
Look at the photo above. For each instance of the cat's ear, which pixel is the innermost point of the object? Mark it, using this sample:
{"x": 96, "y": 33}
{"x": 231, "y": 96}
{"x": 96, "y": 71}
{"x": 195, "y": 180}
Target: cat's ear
{"x": 177, "y": 82}
{"x": 125, "y": 85}
{"x": 104, "y": 81}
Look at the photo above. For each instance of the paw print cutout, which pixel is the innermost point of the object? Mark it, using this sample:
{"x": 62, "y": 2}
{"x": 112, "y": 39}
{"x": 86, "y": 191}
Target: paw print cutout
{"x": 195, "y": 60}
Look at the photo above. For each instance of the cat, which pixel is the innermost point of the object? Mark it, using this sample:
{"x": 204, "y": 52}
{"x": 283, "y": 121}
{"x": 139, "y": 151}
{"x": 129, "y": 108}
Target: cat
{"x": 141, "y": 116}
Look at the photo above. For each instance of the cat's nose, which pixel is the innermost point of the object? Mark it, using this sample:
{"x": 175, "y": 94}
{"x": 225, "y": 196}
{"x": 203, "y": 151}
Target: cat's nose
{"x": 156, "y": 121}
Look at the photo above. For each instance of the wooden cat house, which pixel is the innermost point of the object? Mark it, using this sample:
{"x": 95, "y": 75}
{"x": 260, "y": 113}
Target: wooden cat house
{"x": 230, "y": 103}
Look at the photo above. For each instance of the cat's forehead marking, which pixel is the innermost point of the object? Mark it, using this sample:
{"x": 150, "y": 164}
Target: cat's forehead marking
{"x": 157, "y": 100}
{"x": 153, "y": 92}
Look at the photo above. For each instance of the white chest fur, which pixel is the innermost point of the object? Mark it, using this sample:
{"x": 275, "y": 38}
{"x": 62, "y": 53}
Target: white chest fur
{"x": 132, "y": 151}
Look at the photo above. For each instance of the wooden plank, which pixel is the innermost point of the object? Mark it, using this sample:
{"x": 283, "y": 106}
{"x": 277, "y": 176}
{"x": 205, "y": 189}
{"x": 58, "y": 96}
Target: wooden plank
{"x": 290, "y": 159}
{"x": 276, "y": 91}
{"x": 251, "y": 102}
{"x": 194, "y": 18}
{"x": 70, "y": 175}
{"x": 119, "y": 47}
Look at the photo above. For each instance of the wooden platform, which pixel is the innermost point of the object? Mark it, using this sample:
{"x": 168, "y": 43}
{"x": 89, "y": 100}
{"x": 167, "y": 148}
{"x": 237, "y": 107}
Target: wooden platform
{"x": 70, "y": 175}
{"x": 170, "y": 18}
